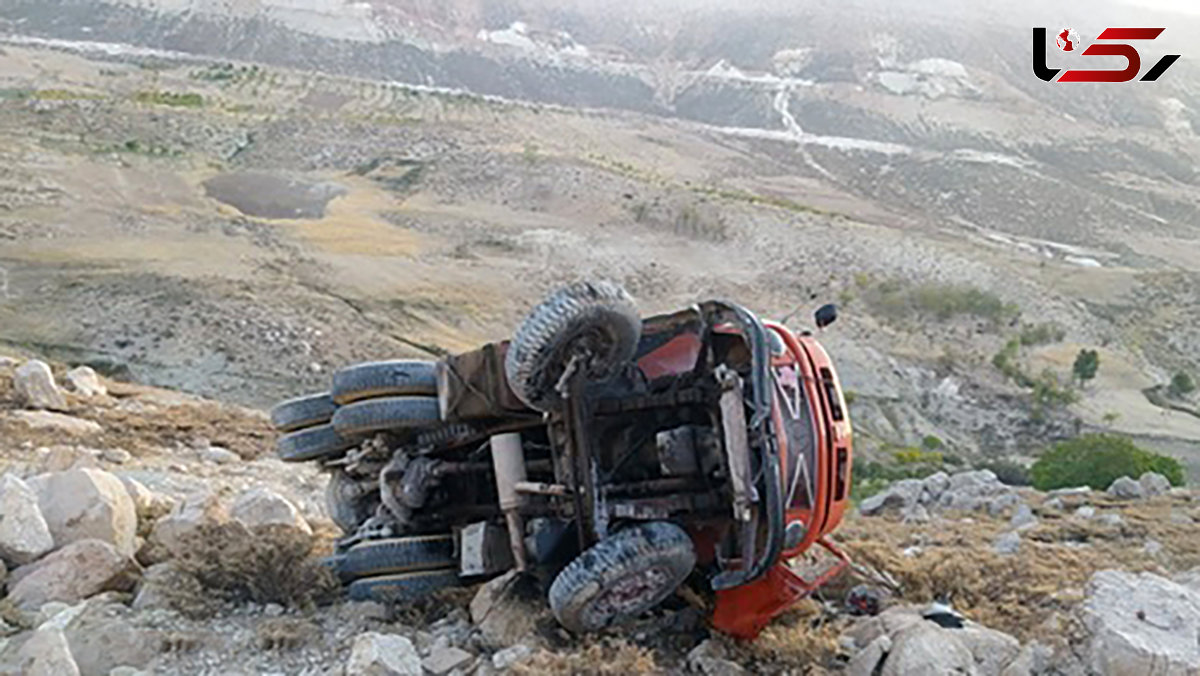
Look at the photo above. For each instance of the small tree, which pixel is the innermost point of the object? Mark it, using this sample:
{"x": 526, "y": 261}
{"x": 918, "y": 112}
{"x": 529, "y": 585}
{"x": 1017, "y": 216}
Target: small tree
{"x": 1087, "y": 362}
{"x": 1181, "y": 385}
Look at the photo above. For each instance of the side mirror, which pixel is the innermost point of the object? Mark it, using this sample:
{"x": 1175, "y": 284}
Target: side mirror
{"x": 825, "y": 315}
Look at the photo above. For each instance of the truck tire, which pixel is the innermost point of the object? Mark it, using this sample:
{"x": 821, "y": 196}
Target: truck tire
{"x": 598, "y": 319}
{"x": 386, "y": 413}
{"x": 395, "y": 556}
{"x": 622, "y": 576}
{"x": 405, "y": 587}
{"x": 307, "y": 411}
{"x": 409, "y": 377}
{"x": 350, "y": 502}
{"x": 313, "y": 443}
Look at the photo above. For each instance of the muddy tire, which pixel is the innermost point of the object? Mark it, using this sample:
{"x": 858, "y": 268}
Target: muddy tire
{"x": 622, "y": 576}
{"x": 400, "y": 377}
{"x": 405, "y": 587}
{"x": 395, "y": 556}
{"x": 596, "y": 319}
{"x": 307, "y": 411}
{"x": 350, "y": 502}
{"x": 313, "y": 443}
{"x": 387, "y": 413}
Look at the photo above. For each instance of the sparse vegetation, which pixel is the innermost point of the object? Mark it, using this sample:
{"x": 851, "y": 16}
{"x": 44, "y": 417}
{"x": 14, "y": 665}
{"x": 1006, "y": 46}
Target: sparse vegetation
{"x": 1087, "y": 362}
{"x": 1181, "y": 385}
{"x": 174, "y": 99}
{"x": 1096, "y": 460}
{"x": 1033, "y": 335}
{"x": 226, "y": 72}
{"x": 899, "y": 299}
{"x": 1008, "y": 471}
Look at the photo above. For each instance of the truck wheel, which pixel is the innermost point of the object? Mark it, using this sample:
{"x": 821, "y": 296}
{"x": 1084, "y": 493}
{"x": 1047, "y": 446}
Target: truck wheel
{"x": 593, "y": 319}
{"x": 403, "y": 587}
{"x": 349, "y": 502}
{"x": 408, "y": 377}
{"x": 394, "y": 556}
{"x": 307, "y": 411}
{"x": 386, "y": 413}
{"x": 622, "y": 576}
{"x": 313, "y": 443}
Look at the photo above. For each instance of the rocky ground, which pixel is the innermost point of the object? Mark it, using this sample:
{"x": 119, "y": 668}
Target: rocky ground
{"x": 149, "y": 532}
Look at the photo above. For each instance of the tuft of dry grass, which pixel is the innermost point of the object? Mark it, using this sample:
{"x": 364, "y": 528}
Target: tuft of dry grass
{"x": 802, "y": 641}
{"x": 227, "y": 563}
{"x": 607, "y": 657}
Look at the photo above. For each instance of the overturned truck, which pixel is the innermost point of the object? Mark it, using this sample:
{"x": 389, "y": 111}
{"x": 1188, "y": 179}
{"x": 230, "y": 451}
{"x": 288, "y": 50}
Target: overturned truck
{"x": 611, "y": 458}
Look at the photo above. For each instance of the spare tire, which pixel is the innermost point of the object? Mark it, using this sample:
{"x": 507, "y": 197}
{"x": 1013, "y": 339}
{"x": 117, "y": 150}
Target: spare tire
{"x": 595, "y": 320}
{"x": 622, "y": 576}
{"x": 313, "y": 443}
{"x": 387, "y": 413}
{"x": 393, "y": 556}
{"x": 307, "y": 411}
{"x": 403, "y": 587}
{"x": 409, "y": 377}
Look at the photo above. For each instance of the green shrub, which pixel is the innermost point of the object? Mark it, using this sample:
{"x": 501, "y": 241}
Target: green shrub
{"x": 1096, "y": 460}
{"x": 1041, "y": 334}
{"x": 1181, "y": 385}
{"x": 189, "y": 100}
{"x": 931, "y": 443}
{"x": 1009, "y": 472}
{"x": 900, "y": 299}
{"x": 1087, "y": 362}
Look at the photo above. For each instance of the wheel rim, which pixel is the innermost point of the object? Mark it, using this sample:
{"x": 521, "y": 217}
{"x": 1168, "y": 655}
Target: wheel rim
{"x": 629, "y": 595}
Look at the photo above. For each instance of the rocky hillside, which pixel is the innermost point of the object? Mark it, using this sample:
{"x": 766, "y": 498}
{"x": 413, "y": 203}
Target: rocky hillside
{"x": 151, "y": 532}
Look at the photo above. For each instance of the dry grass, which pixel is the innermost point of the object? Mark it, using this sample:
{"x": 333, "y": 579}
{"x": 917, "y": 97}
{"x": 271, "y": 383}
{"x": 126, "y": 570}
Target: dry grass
{"x": 804, "y": 641}
{"x": 227, "y": 564}
{"x": 608, "y": 656}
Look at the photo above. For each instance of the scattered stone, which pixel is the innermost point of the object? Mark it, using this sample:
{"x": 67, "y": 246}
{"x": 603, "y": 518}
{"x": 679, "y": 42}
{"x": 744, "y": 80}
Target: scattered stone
{"x": 1085, "y": 512}
{"x": 58, "y": 422}
{"x": 1152, "y": 547}
{"x": 899, "y": 495}
{"x": 1077, "y": 491}
{"x": 709, "y": 658}
{"x": 117, "y": 456}
{"x": 35, "y": 386}
{"x": 887, "y": 623}
{"x": 171, "y": 531}
{"x": 1053, "y": 503}
{"x": 1126, "y": 489}
{"x": 992, "y": 650}
{"x": 510, "y": 656}
{"x": 443, "y": 660}
{"x": 1002, "y": 503}
{"x": 1008, "y": 543}
{"x": 1140, "y": 623}
{"x": 867, "y": 660}
{"x": 502, "y": 613}
{"x": 46, "y": 653}
{"x": 1023, "y": 517}
{"x": 915, "y": 513}
{"x": 75, "y": 572}
{"x": 84, "y": 504}
{"x": 84, "y": 381}
{"x": 375, "y": 654}
{"x": 155, "y": 588}
{"x": 24, "y": 535}
{"x": 261, "y": 507}
{"x": 57, "y": 615}
{"x": 925, "y": 648}
{"x": 1110, "y": 519}
{"x": 61, "y": 458}
{"x": 933, "y": 486}
{"x": 1154, "y": 484}
{"x": 219, "y": 456}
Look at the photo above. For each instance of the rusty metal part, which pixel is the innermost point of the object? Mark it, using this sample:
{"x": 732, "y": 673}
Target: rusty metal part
{"x": 508, "y": 458}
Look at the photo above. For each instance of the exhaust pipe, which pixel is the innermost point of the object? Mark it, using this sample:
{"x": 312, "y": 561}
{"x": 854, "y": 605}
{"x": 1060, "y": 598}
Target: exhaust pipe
{"x": 508, "y": 459}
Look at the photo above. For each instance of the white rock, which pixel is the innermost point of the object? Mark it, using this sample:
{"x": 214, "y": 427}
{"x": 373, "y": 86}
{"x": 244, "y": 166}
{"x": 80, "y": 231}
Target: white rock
{"x": 35, "y": 386}
{"x": 84, "y": 504}
{"x": 375, "y": 654}
{"x": 1001, "y": 503}
{"x": 925, "y": 649}
{"x": 58, "y": 422}
{"x": 103, "y": 637}
{"x": 1141, "y": 624}
{"x": 1008, "y": 543}
{"x": 445, "y": 659}
{"x": 899, "y": 495}
{"x": 1053, "y": 503}
{"x": 510, "y": 656}
{"x": 75, "y": 572}
{"x": 219, "y": 456}
{"x": 85, "y": 382}
{"x": 1085, "y": 512}
{"x": 1154, "y": 484}
{"x": 864, "y": 662}
{"x": 933, "y": 486}
{"x": 1034, "y": 658}
{"x": 171, "y": 531}
{"x": 1126, "y": 488}
{"x": 46, "y": 653}
{"x": 915, "y": 513}
{"x": 1077, "y": 491}
{"x": 1152, "y": 547}
{"x": 992, "y": 650}
{"x": 1023, "y": 517}
{"x": 1110, "y": 519}
{"x": 24, "y": 535}
{"x": 117, "y": 456}
{"x": 504, "y": 618}
{"x": 709, "y": 658}
{"x": 264, "y": 508}
{"x": 154, "y": 589}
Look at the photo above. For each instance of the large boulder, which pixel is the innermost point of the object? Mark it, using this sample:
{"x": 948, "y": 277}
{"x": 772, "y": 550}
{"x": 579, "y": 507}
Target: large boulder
{"x": 75, "y": 572}
{"x": 171, "y": 532}
{"x": 148, "y": 504}
{"x": 262, "y": 508}
{"x": 1140, "y": 623}
{"x": 102, "y": 638}
{"x": 24, "y": 535}
{"x": 83, "y": 504}
{"x": 899, "y": 496}
{"x": 925, "y": 649}
{"x": 1153, "y": 484}
{"x": 375, "y": 654}
{"x": 46, "y": 653}
{"x": 504, "y": 613}
{"x": 35, "y": 386}
{"x": 901, "y": 641}
{"x": 84, "y": 381}
{"x": 1126, "y": 489}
